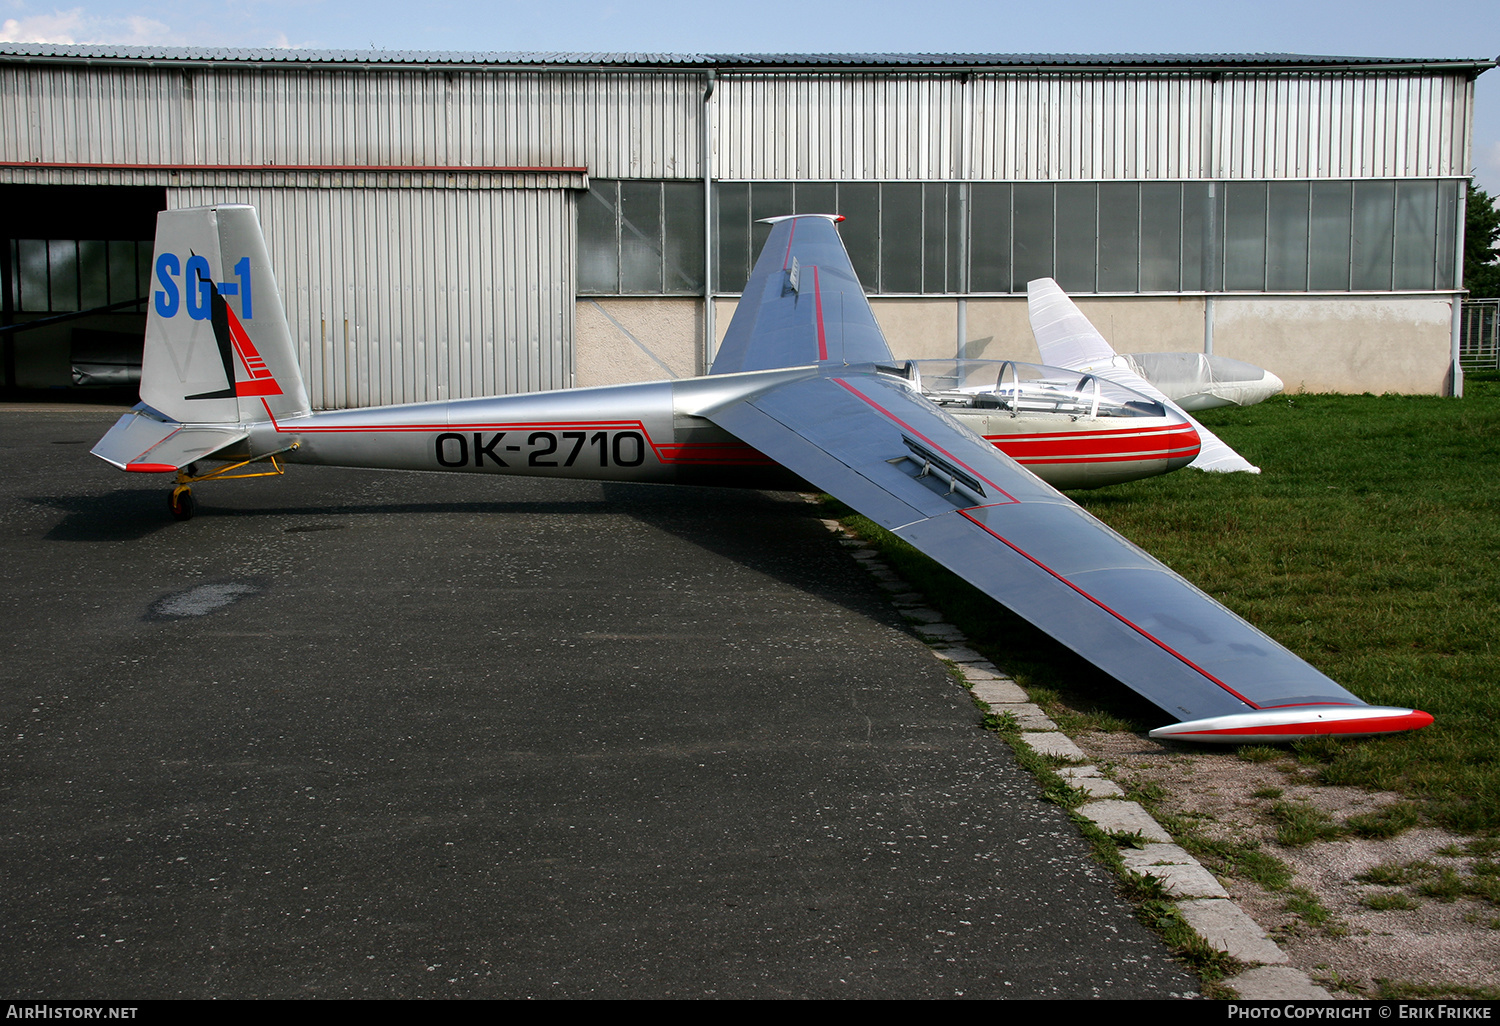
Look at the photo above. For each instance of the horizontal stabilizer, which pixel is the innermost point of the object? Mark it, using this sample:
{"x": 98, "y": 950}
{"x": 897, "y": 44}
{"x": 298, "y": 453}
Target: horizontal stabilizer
{"x": 145, "y": 442}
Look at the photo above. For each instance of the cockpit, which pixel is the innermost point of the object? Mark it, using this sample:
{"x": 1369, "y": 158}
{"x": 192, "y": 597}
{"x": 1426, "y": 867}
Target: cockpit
{"x": 1008, "y": 386}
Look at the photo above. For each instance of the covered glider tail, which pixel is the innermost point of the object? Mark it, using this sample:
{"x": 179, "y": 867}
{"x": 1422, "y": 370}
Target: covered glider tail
{"x": 1066, "y": 338}
{"x": 218, "y": 355}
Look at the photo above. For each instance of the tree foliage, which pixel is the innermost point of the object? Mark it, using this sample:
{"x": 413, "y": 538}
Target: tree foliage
{"x": 1481, "y": 245}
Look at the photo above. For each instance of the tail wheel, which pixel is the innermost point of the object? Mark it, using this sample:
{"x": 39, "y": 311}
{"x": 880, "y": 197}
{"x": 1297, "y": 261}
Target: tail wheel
{"x": 180, "y": 502}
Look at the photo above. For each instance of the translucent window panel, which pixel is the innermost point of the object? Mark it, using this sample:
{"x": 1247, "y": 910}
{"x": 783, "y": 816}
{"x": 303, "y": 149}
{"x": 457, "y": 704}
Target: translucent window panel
{"x": 143, "y": 253}
{"x": 122, "y": 272}
{"x": 1077, "y": 236}
{"x": 1416, "y": 234}
{"x": 640, "y": 237}
{"x": 62, "y": 273}
{"x": 989, "y": 237}
{"x": 1328, "y": 248}
{"x": 598, "y": 244}
{"x": 935, "y": 256}
{"x": 1245, "y": 235}
{"x": 93, "y": 274}
{"x": 1201, "y": 247}
{"x": 31, "y": 273}
{"x": 732, "y": 224}
{"x": 1032, "y": 218}
{"x": 1447, "y": 225}
{"x": 682, "y": 226}
{"x": 1119, "y": 236}
{"x": 1286, "y": 236}
{"x": 817, "y": 198}
{"x": 1161, "y": 236}
{"x": 1374, "y": 234}
{"x": 955, "y": 228}
{"x": 901, "y": 237}
{"x": 859, "y": 202}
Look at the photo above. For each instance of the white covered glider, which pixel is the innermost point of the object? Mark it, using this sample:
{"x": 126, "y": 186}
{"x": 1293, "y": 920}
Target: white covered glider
{"x": 1205, "y": 381}
{"x": 804, "y": 389}
{"x": 1067, "y": 339}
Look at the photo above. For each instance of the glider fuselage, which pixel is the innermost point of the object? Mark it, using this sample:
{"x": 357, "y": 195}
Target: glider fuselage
{"x": 653, "y": 433}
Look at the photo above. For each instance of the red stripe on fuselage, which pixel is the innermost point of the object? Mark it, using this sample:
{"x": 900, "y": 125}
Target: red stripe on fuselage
{"x": 1099, "y": 446}
{"x": 729, "y": 454}
{"x": 723, "y": 453}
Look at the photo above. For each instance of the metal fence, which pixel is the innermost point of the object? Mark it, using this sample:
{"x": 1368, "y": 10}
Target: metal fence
{"x": 1479, "y": 337}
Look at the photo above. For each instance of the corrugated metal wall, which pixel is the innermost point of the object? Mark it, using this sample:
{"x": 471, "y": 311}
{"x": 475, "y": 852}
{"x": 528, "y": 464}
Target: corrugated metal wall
{"x": 1052, "y": 127}
{"x": 618, "y": 126}
{"x": 410, "y": 295}
{"x": 857, "y": 125}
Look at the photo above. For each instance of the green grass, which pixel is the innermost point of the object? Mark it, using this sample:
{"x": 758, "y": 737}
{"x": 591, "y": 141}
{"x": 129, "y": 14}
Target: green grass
{"x": 1480, "y": 881}
{"x": 1391, "y": 874}
{"x": 1304, "y": 904}
{"x": 1398, "y": 990}
{"x": 1396, "y": 902}
{"x": 1298, "y": 823}
{"x": 1368, "y": 546}
{"x": 1386, "y": 822}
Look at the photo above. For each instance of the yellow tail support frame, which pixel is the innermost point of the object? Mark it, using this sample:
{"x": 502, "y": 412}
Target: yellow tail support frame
{"x": 181, "y": 499}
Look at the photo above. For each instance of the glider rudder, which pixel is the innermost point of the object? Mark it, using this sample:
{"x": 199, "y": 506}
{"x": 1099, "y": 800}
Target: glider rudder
{"x": 218, "y": 349}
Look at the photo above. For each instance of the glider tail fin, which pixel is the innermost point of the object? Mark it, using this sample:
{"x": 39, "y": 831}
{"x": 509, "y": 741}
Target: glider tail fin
{"x": 218, "y": 348}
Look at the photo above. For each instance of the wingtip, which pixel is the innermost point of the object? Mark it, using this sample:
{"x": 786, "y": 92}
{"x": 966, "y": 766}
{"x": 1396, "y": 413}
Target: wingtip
{"x": 835, "y": 218}
{"x": 1282, "y": 726}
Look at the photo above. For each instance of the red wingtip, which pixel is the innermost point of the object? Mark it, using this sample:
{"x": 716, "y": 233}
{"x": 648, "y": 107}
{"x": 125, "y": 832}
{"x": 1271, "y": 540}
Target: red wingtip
{"x": 1280, "y": 726}
{"x": 151, "y": 468}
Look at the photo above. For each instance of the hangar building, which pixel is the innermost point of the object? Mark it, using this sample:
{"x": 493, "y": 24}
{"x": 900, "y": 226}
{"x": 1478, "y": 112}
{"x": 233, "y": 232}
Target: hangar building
{"x": 455, "y": 224}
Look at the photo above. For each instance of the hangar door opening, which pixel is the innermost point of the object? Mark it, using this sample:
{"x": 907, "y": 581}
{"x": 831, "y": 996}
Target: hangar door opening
{"x": 75, "y": 266}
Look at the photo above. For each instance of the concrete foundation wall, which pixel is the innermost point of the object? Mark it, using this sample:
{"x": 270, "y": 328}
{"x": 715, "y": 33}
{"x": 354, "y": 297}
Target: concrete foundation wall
{"x": 622, "y": 339}
{"x": 1380, "y": 344}
{"x": 1315, "y": 344}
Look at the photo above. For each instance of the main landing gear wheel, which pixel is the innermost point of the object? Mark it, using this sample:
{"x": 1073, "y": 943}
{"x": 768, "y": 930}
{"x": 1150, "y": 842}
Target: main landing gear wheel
{"x": 180, "y": 502}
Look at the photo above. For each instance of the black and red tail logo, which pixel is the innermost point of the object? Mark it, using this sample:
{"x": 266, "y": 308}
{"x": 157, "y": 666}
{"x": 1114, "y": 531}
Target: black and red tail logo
{"x": 233, "y": 341}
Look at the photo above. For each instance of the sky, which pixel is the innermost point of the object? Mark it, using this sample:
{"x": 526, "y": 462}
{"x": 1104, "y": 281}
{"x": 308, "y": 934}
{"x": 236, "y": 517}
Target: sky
{"x": 1370, "y": 28}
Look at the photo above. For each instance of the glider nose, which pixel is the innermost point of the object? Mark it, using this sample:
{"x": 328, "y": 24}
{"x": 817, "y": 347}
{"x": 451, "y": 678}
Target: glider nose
{"x": 1184, "y": 444}
{"x": 1268, "y": 386}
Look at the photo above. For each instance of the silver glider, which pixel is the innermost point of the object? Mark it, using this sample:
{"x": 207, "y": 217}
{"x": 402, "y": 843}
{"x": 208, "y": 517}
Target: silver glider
{"x": 804, "y": 391}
